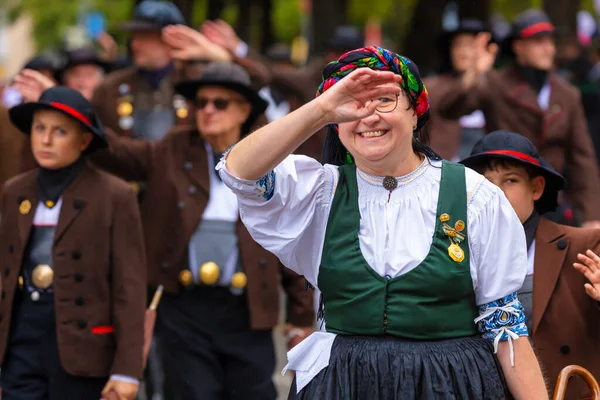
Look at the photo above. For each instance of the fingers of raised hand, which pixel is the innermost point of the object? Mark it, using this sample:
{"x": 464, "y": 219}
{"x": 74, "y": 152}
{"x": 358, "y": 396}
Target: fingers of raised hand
{"x": 583, "y": 270}
{"x": 594, "y": 258}
{"x": 379, "y": 91}
{"x": 592, "y": 292}
{"x": 590, "y": 260}
{"x": 482, "y": 39}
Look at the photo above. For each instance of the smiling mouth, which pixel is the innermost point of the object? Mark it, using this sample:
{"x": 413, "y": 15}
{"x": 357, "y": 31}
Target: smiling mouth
{"x": 372, "y": 134}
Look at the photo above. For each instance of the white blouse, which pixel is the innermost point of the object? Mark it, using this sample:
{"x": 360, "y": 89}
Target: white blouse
{"x": 394, "y": 236}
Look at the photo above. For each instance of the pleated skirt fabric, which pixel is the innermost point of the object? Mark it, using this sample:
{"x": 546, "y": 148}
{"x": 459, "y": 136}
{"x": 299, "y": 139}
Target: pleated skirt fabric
{"x": 387, "y": 368}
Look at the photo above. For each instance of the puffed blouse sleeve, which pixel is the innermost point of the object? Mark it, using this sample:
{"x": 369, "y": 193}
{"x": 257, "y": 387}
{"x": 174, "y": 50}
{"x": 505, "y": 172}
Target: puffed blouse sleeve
{"x": 286, "y": 211}
{"x": 499, "y": 251}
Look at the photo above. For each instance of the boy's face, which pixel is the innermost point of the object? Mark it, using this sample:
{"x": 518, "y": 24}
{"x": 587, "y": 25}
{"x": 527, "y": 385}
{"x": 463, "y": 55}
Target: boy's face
{"x": 520, "y": 190}
{"x": 57, "y": 140}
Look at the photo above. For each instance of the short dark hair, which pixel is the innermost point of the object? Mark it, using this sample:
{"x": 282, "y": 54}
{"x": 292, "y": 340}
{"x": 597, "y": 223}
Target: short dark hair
{"x": 494, "y": 163}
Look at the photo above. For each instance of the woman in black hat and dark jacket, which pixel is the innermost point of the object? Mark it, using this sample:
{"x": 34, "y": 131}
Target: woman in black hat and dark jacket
{"x": 72, "y": 262}
{"x": 453, "y": 138}
{"x": 221, "y": 288}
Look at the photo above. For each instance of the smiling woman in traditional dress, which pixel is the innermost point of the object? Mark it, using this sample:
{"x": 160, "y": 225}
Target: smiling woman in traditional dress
{"x": 418, "y": 259}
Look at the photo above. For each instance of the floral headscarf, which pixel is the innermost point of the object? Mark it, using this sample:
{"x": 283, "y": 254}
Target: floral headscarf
{"x": 380, "y": 59}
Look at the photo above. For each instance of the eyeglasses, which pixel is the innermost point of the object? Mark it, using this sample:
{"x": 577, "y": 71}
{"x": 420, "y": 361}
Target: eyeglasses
{"x": 219, "y": 103}
{"x": 386, "y": 103}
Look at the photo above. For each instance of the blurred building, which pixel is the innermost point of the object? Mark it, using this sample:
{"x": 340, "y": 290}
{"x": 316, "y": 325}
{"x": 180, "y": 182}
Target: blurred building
{"x": 16, "y": 45}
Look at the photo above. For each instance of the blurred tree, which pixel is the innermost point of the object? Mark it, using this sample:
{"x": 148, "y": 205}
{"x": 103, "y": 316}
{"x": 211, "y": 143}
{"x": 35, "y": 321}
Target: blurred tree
{"x": 563, "y": 14}
{"x": 285, "y": 18}
{"x": 266, "y": 22}
{"x": 52, "y": 18}
{"x": 419, "y": 43}
{"x": 326, "y": 16}
{"x": 480, "y": 9}
{"x": 215, "y": 8}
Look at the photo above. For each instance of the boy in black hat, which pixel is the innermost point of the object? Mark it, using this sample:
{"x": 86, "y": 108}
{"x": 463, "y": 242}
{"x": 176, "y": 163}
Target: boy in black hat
{"x": 72, "y": 262}
{"x": 222, "y": 295}
{"x": 562, "y": 288}
{"x": 527, "y": 97}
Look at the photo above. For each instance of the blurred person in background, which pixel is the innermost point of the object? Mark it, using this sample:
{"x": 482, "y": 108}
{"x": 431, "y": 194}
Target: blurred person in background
{"x": 529, "y": 98}
{"x": 82, "y": 70}
{"x": 139, "y": 101}
{"x": 222, "y": 296}
{"x": 12, "y": 142}
{"x": 453, "y": 139}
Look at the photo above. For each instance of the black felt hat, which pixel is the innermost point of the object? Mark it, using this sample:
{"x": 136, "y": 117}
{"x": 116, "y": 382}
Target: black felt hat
{"x": 39, "y": 63}
{"x": 153, "y": 15}
{"x": 346, "y": 38}
{"x": 80, "y": 56}
{"x": 68, "y": 102}
{"x": 528, "y": 24}
{"x": 512, "y": 146}
{"x": 472, "y": 26}
{"x": 230, "y": 76}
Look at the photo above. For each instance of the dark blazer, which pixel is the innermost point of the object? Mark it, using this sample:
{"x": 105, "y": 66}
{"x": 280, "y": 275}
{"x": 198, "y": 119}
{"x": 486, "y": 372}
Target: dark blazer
{"x": 99, "y": 269}
{"x": 12, "y": 143}
{"x": 566, "y": 321}
{"x": 178, "y": 188}
{"x": 560, "y": 133}
{"x": 107, "y": 96}
{"x": 444, "y": 134}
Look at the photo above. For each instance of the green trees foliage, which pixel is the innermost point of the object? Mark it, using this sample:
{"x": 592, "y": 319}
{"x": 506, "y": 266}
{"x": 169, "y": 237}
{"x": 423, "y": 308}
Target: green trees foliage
{"x": 52, "y": 18}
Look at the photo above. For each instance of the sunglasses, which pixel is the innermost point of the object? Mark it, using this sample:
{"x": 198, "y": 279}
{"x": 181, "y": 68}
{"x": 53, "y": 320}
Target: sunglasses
{"x": 219, "y": 103}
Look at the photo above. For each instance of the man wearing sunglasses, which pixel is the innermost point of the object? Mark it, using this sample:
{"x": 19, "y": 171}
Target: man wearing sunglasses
{"x": 222, "y": 296}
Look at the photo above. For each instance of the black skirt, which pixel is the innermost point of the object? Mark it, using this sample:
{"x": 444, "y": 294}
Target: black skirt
{"x": 386, "y": 368}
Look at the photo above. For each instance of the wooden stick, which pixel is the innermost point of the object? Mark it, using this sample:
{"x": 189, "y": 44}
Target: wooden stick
{"x": 563, "y": 380}
{"x": 156, "y": 298}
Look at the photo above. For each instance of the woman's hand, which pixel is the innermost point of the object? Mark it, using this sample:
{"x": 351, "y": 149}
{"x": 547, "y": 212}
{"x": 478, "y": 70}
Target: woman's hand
{"x": 189, "y": 44}
{"x": 355, "y": 96}
{"x": 590, "y": 268}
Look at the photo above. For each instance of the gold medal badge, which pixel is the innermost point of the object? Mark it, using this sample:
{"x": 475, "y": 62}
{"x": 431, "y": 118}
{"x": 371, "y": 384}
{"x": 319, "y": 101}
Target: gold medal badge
{"x": 455, "y": 236}
{"x": 180, "y": 106}
{"x": 25, "y": 207}
{"x": 456, "y": 253}
{"x": 124, "y": 109}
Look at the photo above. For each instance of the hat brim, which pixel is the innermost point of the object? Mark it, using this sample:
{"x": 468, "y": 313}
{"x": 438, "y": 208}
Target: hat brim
{"x": 21, "y": 116}
{"x": 188, "y": 89}
{"x": 507, "y": 43}
{"x": 555, "y": 182}
{"x": 58, "y": 74}
{"x": 445, "y": 37}
{"x": 144, "y": 26}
